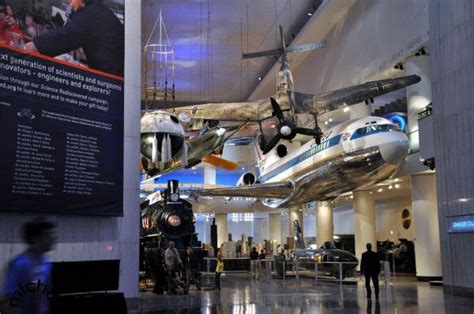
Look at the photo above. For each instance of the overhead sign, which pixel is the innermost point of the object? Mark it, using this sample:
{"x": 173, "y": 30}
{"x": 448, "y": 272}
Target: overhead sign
{"x": 61, "y": 120}
{"x": 461, "y": 224}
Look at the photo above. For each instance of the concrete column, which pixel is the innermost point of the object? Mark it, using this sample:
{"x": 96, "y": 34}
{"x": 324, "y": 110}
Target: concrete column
{"x": 425, "y": 212}
{"x": 274, "y": 224}
{"x": 364, "y": 221}
{"x": 418, "y": 95}
{"x": 209, "y": 174}
{"x": 221, "y": 222}
{"x": 324, "y": 223}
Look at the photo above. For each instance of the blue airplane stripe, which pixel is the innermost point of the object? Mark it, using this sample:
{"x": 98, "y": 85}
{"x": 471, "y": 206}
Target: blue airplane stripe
{"x": 302, "y": 157}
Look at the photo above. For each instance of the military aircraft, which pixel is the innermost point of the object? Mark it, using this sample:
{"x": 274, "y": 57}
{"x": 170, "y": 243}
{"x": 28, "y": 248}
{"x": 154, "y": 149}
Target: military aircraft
{"x": 352, "y": 154}
{"x": 287, "y": 102}
{"x": 164, "y": 148}
{"x": 327, "y": 256}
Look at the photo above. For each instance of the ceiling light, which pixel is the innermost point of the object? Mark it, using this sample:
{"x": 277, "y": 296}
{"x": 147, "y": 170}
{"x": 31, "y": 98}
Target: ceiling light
{"x": 380, "y": 190}
{"x": 260, "y": 78}
{"x": 310, "y": 13}
{"x": 330, "y": 119}
{"x": 397, "y": 186}
{"x": 463, "y": 200}
{"x": 346, "y": 109}
{"x": 390, "y": 187}
{"x": 326, "y": 122}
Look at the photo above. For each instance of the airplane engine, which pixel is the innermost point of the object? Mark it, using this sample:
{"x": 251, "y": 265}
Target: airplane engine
{"x": 247, "y": 178}
{"x": 162, "y": 137}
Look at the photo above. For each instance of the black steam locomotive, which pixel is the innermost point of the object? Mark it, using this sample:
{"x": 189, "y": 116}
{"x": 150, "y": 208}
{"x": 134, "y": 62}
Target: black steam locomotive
{"x": 170, "y": 218}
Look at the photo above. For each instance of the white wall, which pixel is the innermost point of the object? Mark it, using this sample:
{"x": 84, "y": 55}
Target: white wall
{"x": 388, "y": 220}
{"x": 309, "y": 226}
{"x": 358, "y": 51}
{"x": 343, "y": 221}
{"x": 239, "y": 228}
{"x": 261, "y": 229}
{"x": 203, "y": 229}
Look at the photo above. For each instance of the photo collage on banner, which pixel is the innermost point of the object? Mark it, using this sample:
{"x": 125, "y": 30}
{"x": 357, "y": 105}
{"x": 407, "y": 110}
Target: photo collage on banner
{"x": 62, "y": 106}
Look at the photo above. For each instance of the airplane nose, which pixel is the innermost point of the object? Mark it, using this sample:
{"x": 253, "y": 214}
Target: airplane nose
{"x": 395, "y": 151}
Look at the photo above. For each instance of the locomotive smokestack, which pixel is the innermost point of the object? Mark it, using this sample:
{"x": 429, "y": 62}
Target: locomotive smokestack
{"x": 173, "y": 187}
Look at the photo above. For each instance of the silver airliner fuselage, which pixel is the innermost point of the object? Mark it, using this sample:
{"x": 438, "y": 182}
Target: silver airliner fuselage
{"x": 353, "y": 154}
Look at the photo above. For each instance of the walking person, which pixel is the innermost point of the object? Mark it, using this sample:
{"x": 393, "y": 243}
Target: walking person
{"x": 219, "y": 271}
{"x": 28, "y": 278}
{"x": 370, "y": 268}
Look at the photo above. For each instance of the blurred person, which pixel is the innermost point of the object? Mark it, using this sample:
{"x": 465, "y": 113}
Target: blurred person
{"x": 173, "y": 260}
{"x": 10, "y": 31}
{"x": 93, "y": 27}
{"x": 253, "y": 262}
{"x": 370, "y": 268}
{"x": 219, "y": 270}
{"x": 238, "y": 249}
{"x": 28, "y": 278}
{"x": 192, "y": 267}
{"x": 30, "y": 27}
{"x": 254, "y": 254}
{"x": 174, "y": 264}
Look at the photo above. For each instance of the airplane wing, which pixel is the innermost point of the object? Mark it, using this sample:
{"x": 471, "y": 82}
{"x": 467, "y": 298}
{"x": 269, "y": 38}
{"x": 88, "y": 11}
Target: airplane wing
{"x": 264, "y": 190}
{"x": 348, "y": 96}
{"x": 252, "y": 111}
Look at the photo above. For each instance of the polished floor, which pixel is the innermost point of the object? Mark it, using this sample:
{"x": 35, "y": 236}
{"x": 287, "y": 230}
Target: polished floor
{"x": 241, "y": 294}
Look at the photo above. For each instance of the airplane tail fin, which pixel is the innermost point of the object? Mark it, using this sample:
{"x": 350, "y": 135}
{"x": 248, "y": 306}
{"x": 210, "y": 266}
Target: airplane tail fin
{"x": 284, "y": 50}
{"x": 299, "y": 241}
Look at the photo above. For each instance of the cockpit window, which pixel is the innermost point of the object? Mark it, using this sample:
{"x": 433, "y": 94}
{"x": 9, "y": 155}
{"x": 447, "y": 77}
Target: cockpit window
{"x": 328, "y": 245}
{"x": 374, "y": 128}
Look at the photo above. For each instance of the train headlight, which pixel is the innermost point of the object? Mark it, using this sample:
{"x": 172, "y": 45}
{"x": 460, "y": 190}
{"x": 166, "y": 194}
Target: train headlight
{"x": 174, "y": 220}
{"x": 174, "y": 197}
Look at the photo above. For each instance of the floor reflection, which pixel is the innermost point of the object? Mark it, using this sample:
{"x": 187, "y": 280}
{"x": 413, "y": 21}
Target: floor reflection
{"x": 241, "y": 295}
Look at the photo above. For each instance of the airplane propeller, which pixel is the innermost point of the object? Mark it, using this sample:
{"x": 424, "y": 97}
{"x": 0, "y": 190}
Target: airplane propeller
{"x": 287, "y": 129}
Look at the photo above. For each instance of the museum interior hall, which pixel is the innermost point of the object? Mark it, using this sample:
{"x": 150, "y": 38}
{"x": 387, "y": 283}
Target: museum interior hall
{"x": 207, "y": 156}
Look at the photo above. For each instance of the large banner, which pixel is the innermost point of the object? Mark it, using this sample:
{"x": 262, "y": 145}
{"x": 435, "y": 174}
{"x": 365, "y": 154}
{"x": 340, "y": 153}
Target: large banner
{"x": 61, "y": 106}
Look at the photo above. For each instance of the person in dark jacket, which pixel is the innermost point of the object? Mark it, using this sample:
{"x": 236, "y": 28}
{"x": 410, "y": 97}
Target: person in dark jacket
{"x": 370, "y": 268}
{"x": 254, "y": 254}
{"x": 94, "y": 28}
{"x": 192, "y": 265}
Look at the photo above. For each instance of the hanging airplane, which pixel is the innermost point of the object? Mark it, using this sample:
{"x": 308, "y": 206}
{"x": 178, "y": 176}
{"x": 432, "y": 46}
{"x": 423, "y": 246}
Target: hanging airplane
{"x": 287, "y": 102}
{"x": 164, "y": 148}
{"x": 352, "y": 154}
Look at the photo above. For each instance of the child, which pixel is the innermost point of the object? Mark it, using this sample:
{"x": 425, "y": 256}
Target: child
{"x": 219, "y": 270}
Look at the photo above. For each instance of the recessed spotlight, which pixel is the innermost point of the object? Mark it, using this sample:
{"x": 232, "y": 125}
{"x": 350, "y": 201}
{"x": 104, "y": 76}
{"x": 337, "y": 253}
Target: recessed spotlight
{"x": 326, "y": 122}
{"x": 390, "y": 187}
{"x": 260, "y": 78}
{"x": 397, "y": 186}
{"x": 380, "y": 190}
{"x": 310, "y": 13}
{"x": 330, "y": 119}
